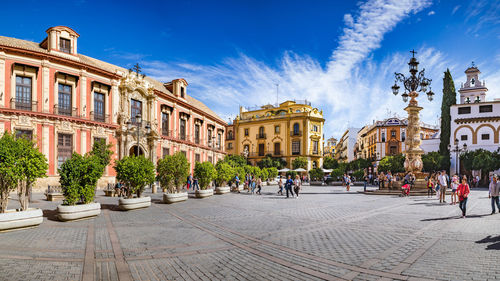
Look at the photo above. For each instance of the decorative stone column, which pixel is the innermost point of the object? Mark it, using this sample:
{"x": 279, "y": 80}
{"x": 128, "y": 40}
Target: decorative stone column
{"x": 413, "y": 162}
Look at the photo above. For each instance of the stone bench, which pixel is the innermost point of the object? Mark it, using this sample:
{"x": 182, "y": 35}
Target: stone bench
{"x": 54, "y": 196}
{"x": 54, "y": 193}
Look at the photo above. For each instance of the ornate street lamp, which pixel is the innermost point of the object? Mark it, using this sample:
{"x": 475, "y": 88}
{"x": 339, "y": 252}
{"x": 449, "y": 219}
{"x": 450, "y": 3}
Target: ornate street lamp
{"x": 457, "y": 149}
{"x": 413, "y": 84}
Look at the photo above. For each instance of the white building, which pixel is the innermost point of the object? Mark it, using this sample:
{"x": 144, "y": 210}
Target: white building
{"x": 344, "y": 151}
{"x": 474, "y": 121}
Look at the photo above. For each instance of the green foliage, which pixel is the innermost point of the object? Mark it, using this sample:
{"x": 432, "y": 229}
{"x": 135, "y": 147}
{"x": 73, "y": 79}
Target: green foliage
{"x": 330, "y": 163}
{"x": 344, "y": 167}
{"x": 291, "y": 173}
{"x": 449, "y": 99}
{"x": 395, "y": 164}
{"x": 272, "y": 172}
{"x": 299, "y": 162}
{"x": 103, "y": 152}
{"x": 264, "y": 174}
{"x": 433, "y": 161}
{"x": 225, "y": 173}
{"x": 240, "y": 172}
{"x": 205, "y": 173}
{"x": 359, "y": 164}
{"x": 135, "y": 172}
{"x": 269, "y": 161}
{"x": 31, "y": 165}
{"x": 481, "y": 159}
{"x": 9, "y": 171}
{"x": 173, "y": 171}
{"x": 235, "y": 160}
{"x": 316, "y": 173}
{"x": 358, "y": 174}
{"x": 337, "y": 173}
{"x": 79, "y": 174}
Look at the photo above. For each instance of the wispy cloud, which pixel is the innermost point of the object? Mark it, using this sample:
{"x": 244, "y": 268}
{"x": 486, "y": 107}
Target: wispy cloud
{"x": 352, "y": 88}
{"x": 455, "y": 9}
{"x": 431, "y": 13}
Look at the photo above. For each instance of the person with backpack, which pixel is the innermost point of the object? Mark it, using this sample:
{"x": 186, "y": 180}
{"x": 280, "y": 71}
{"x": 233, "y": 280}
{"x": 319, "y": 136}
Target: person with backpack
{"x": 237, "y": 182}
{"x": 188, "y": 181}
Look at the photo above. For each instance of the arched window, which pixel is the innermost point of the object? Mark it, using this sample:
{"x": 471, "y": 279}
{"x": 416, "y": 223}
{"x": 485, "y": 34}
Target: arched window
{"x": 261, "y": 133}
{"x": 296, "y": 128}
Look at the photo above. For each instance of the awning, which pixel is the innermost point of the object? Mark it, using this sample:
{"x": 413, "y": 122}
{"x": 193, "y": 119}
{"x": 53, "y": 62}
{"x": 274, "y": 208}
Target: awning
{"x": 284, "y": 170}
{"x": 300, "y": 170}
{"x": 326, "y": 170}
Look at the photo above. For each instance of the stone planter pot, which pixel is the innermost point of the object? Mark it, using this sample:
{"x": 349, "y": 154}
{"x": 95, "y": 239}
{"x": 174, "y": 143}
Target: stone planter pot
{"x": 126, "y": 204}
{"x": 222, "y": 189}
{"x": 12, "y": 219}
{"x": 204, "y": 193}
{"x": 69, "y": 213}
{"x": 170, "y": 198}
{"x": 236, "y": 189}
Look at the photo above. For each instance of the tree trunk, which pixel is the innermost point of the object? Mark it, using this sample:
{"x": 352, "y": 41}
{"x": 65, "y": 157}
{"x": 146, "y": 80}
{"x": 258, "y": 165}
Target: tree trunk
{"x": 4, "y": 200}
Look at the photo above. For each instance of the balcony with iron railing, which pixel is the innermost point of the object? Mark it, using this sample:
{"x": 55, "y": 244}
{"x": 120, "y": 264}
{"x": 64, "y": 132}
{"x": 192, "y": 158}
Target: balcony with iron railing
{"x": 21, "y": 104}
{"x": 100, "y": 117}
{"x": 68, "y": 111}
{"x": 261, "y": 136}
{"x": 296, "y": 133}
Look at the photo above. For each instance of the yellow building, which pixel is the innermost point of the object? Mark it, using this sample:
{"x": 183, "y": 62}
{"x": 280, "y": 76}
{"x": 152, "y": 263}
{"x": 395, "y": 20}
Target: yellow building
{"x": 330, "y": 146}
{"x": 288, "y": 130}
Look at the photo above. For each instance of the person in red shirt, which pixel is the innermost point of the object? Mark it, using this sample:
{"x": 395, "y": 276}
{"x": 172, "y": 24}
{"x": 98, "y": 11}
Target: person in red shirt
{"x": 463, "y": 193}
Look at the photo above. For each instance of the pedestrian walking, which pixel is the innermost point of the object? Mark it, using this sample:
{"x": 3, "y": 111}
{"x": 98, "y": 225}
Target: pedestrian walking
{"x": 259, "y": 185}
{"x": 430, "y": 187}
{"x": 389, "y": 180}
{"x": 443, "y": 184}
{"x": 280, "y": 186}
{"x": 494, "y": 191}
{"x": 296, "y": 185}
{"x": 463, "y": 194}
{"x": 195, "y": 184}
{"x": 365, "y": 182}
{"x": 381, "y": 180}
{"x": 288, "y": 186}
{"x": 189, "y": 181}
{"x": 347, "y": 181}
{"x": 454, "y": 185}
{"x": 252, "y": 183}
{"x": 237, "y": 182}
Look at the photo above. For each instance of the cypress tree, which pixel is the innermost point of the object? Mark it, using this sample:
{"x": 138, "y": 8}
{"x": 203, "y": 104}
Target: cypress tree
{"x": 449, "y": 99}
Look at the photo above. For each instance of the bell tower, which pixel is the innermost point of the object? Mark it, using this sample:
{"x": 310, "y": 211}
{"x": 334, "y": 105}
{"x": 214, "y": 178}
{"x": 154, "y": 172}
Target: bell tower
{"x": 472, "y": 91}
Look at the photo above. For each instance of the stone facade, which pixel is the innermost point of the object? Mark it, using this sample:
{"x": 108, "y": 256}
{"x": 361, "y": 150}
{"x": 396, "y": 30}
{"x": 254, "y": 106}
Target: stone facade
{"x": 65, "y": 101}
{"x": 288, "y": 130}
{"x": 474, "y": 121}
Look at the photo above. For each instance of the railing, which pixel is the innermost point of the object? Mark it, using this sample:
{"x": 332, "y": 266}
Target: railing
{"x": 230, "y": 137}
{"x": 264, "y": 153}
{"x": 296, "y": 133}
{"x": 68, "y": 111}
{"x": 261, "y": 136}
{"x": 100, "y": 117}
{"x": 295, "y": 152}
{"x": 23, "y": 104}
{"x": 278, "y": 153}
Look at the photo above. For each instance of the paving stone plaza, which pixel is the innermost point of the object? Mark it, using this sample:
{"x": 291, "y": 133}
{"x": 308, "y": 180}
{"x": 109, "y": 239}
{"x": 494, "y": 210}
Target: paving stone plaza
{"x": 325, "y": 234}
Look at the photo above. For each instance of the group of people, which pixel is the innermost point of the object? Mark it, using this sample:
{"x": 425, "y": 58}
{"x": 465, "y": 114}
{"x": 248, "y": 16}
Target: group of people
{"x": 192, "y": 182}
{"x": 439, "y": 182}
{"x": 252, "y": 182}
{"x": 291, "y": 186}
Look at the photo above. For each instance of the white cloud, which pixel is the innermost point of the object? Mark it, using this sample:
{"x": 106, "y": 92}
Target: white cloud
{"x": 455, "y": 9}
{"x": 431, "y": 13}
{"x": 352, "y": 88}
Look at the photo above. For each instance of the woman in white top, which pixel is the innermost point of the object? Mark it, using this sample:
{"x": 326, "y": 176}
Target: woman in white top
{"x": 280, "y": 186}
{"x": 296, "y": 185}
{"x": 454, "y": 186}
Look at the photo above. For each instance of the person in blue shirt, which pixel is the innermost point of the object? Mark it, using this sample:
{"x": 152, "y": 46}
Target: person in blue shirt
{"x": 288, "y": 186}
{"x": 237, "y": 182}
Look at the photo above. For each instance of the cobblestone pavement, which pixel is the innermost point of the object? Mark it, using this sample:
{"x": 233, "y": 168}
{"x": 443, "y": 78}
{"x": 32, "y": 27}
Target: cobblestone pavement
{"x": 325, "y": 234}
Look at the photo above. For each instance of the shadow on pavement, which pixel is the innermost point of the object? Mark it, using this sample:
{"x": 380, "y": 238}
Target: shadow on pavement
{"x": 494, "y": 240}
{"x": 51, "y": 215}
{"x": 111, "y": 207}
{"x": 455, "y": 217}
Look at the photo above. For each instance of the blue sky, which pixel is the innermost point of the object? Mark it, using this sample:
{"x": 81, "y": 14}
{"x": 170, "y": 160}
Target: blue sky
{"x": 341, "y": 55}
